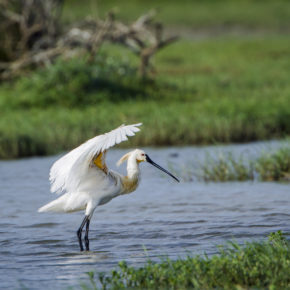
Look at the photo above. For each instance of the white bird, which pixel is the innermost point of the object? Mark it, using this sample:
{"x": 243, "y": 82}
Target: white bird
{"x": 85, "y": 180}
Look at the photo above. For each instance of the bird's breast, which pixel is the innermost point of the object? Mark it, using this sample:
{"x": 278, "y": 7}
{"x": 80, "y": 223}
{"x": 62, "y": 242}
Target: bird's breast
{"x": 129, "y": 184}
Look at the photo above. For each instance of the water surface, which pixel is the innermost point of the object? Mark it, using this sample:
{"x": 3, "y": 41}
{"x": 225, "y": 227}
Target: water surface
{"x": 161, "y": 218}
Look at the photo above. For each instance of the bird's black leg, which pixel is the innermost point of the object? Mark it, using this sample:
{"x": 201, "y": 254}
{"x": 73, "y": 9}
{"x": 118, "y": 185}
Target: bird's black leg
{"x": 79, "y": 231}
{"x": 87, "y": 242}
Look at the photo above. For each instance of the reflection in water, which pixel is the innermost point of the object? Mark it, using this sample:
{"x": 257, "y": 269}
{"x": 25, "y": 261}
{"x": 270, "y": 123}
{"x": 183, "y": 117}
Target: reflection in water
{"x": 160, "y": 218}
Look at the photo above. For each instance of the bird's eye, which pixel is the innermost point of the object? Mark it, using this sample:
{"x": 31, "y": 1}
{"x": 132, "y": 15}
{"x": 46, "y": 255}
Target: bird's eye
{"x": 142, "y": 154}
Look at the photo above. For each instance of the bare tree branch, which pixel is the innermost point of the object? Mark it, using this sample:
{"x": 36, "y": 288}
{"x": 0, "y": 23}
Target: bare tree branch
{"x": 38, "y": 38}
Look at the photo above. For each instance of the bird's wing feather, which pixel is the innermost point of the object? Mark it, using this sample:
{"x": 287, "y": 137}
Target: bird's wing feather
{"x": 71, "y": 170}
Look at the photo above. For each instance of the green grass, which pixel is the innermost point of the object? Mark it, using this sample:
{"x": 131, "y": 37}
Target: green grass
{"x": 270, "y": 166}
{"x": 226, "y": 90}
{"x": 255, "y": 265}
{"x": 251, "y": 14}
{"x": 52, "y": 130}
{"x": 275, "y": 166}
{"x": 226, "y": 168}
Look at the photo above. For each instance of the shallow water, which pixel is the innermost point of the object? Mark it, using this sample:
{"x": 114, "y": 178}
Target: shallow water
{"x": 161, "y": 218}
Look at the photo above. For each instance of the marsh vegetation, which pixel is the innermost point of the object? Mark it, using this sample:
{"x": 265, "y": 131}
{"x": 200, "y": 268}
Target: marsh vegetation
{"x": 252, "y": 265}
{"x": 269, "y": 166}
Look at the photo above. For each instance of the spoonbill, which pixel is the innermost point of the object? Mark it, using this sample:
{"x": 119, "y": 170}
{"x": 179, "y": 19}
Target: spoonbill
{"x": 86, "y": 182}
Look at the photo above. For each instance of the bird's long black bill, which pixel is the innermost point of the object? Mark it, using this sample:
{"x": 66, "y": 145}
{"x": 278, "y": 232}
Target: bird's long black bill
{"x": 148, "y": 159}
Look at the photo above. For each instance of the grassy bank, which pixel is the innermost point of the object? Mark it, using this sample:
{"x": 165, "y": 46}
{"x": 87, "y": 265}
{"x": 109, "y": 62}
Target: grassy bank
{"x": 48, "y": 131}
{"x": 262, "y": 265}
{"x": 197, "y": 97}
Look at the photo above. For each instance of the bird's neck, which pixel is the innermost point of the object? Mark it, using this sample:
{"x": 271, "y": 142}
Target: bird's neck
{"x": 133, "y": 171}
{"x": 131, "y": 181}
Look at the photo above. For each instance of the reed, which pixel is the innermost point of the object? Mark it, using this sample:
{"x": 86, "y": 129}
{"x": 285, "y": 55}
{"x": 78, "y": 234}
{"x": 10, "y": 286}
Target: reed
{"x": 274, "y": 166}
{"x": 225, "y": 167}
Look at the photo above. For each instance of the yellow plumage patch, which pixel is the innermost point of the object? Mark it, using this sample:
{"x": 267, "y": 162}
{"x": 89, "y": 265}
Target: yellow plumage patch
{"x": 100, "y": 162}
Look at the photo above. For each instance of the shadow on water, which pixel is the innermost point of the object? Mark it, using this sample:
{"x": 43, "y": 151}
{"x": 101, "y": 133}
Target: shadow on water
{"x": 160, "y": 218}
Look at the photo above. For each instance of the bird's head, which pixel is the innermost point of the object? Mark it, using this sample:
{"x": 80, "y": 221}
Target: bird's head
{"x": 140, "y": 156}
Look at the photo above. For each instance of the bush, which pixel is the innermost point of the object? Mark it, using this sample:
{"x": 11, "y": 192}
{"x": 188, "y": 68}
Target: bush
{"x": 79, "y": 83}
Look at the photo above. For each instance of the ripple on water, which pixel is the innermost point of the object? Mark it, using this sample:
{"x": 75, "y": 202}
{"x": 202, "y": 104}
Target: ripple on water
{"x": 42, "y": 225}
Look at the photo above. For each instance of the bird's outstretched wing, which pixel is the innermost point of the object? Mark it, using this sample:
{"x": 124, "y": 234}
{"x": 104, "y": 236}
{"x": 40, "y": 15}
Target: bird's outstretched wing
{"x": 69, "y": 171}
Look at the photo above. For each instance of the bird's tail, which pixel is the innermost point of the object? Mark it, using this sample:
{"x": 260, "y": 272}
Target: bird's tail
{"x": 57, "y": 205}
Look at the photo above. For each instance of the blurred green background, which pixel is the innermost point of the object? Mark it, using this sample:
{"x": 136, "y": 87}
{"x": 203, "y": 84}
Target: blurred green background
{"x": 225, "y": 80}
